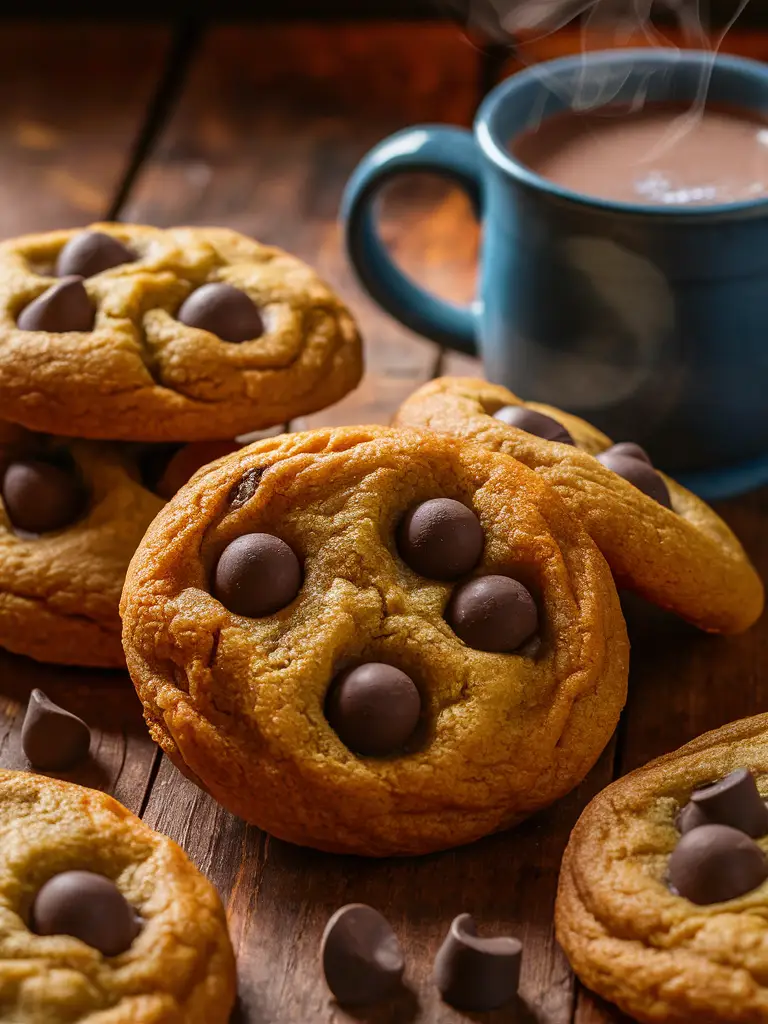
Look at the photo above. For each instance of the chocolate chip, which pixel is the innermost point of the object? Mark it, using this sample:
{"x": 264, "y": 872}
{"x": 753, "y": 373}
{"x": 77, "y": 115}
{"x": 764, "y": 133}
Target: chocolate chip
{"x": 533, "y": 422}
{"x": 440, "y": 539}
{"x": 41, "y": 497}
{"x": 733, "y": 801}
{"x": 374, "y": 708}
{"x": 690, "y": 817}
{"x": 637, "y": 471}
{"x": 88, "y": 906}
{"x": 632, "y": 451}
{"x": 65, "y": 306}
{"x": 185, "y": 462}
{"x": 224, "y": 311}
{"x": 493, "y": 613}
{"x": 53, "y": 739}
{"x": 715, "y": 863}
{"x": 362, "y": 959}
{"x": 246, "y": 487}
{"x": 257, "y": 575}
{"x": 477, "y": 974}
{"x": 90, "y": 252}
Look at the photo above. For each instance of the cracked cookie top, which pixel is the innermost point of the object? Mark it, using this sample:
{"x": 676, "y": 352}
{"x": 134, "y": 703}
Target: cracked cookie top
{"x": 101, "y": 918}
{"x": 124, "y": 332}
{"x": 659, "y": 539}
{"x": 375, "y": 641}
{"x": 663, "y": 899}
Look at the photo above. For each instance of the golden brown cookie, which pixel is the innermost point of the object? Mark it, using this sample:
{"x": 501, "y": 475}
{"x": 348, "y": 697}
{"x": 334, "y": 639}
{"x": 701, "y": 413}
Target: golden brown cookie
{"x": 683, "y": 558}
{"x": 346, "y": 611}
{"x": 175, "y": 963}
{"x": 109, "y": 357}
{"x": 72, "y": 514}
{"x": 661, "y": 956}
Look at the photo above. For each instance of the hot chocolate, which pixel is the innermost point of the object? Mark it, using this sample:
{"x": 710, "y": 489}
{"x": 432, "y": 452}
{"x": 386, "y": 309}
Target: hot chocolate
{"x": 661, "y": 155}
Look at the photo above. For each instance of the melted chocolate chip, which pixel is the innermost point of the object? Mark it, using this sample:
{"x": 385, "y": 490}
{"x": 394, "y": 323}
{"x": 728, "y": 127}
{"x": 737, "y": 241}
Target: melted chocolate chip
{"x": 374, "y": 708}
{"x": 715, "y": 863}
{"x": 362, "y": 959}
{"x": 185, "y": 462}
{"x": 493, "y": 613}
{"x": 91, "y": 252}
{"x": 53, "y": 739}
{"x": 533, "y": 422}
{"x": 89, "y": 907}
{"x": 224, "y": 311}
{"x": 41, "y": 497}
{"x": 64, "y": 307}
{"x": 440, "y": 539}
{"x": 246, "y": 487}
{"x": 637, "y": 471}
{"x": 477, "y": 974}
{"x": 257, "y": 575}
{"x": 733, "y": 801}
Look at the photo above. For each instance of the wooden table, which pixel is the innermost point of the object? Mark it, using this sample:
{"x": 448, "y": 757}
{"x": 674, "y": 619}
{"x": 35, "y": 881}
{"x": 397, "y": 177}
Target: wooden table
{"x": 257, "y": 128}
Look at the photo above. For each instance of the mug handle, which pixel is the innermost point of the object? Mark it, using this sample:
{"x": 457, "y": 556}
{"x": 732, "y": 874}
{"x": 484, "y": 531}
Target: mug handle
{"x": 449, "y": 152}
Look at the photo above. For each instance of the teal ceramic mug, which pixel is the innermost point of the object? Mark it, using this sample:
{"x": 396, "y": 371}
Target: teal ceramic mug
{"x": 651, "y": 322}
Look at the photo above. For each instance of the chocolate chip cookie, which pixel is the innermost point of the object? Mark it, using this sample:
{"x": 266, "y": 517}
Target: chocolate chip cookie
{"x": 72, "y": 514}
{"x": 375, "y": 641}
{"x": 123, "y": 332}
{"x": 659, "y": 539}
{"x": 102, "y": 919}
{"x": 663, "y": 900}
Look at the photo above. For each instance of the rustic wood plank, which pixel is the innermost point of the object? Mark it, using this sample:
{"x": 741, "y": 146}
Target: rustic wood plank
{"x": 74, "y": 100}
{"x": 272, "y": 123}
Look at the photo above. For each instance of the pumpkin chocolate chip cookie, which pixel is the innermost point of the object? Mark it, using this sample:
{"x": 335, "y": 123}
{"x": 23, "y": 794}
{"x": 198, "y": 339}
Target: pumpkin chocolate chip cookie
{"x": 375, "y": 641}
{"x": 659, "y": 539}
{"x": 72, "y": 513}
{"x": 123, "y": 332}
{"x": 662, "y": 906}
{"x": 102, "y": 920}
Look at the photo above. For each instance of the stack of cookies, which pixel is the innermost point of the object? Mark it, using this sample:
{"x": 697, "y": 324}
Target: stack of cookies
{"x": 129, "y": 357}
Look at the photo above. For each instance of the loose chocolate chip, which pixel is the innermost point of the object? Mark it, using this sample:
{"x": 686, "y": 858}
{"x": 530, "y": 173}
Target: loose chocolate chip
{"x": 374, "y": 708}
{"x": 734, "y": 801}
{"x": 362, "y": 959}
{"x": 224, "y": 311}
{"x": 477, "y": 974}
{"x": 40, "y": 497}
{"x": 533, "y": 422}
{"x": 52, "y": 738}
{"x": 64, "y": 307}
{"x": 185, "y": 462}
{"x": 636, "y": 471}
{"x": 493, "y": 613}
{"x": 257, "y": 575}
{"x": 89, "y": 907}
{"x": 440, "y": 539}
{"x": 90, "y": 252}
{"x": 632, "y": 451}
{"x": 715, "y": 863}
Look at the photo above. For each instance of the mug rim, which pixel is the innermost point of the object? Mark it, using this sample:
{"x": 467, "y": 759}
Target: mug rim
{"x": 497, "y": 151}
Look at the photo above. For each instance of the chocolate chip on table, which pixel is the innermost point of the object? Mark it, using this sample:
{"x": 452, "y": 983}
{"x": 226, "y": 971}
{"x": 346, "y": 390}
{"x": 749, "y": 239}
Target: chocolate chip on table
{"x": 715, "y": 863}
{"x": 257, "y": 575}
{"x": 53, "y": 739}
{"x": 89, "y": 907}
{"x": 41, "y": 497}
{"x": 533, "y": 422}
{"x": 91, "y": 252}
{"x": 493, "y": 613}
{"x": 362, "y": 959}
{"x": 224, "y": 311}
{"x": 734, "y": 801}
{"x": 440, "y": 539}
{"x": 477, "y": 974}
{"x": 637, "y": 470}
{"x": 374, "y": 708}
{"x": 65, "y": 306}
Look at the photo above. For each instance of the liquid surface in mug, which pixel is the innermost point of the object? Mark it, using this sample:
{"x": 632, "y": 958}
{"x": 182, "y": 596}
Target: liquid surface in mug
{"x": 662, "y": 155}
